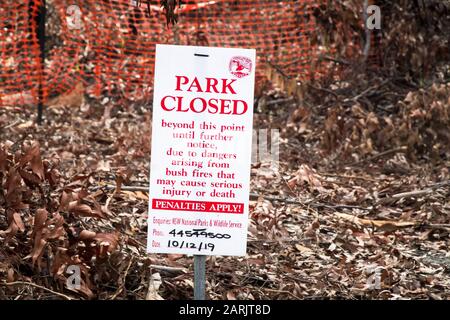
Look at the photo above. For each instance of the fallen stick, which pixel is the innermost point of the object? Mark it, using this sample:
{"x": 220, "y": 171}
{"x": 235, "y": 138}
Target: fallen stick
{"x": 368, "y": 90}
{"x": 256, "y": 196}
{"x": 274, "y": 102}
{"x": 415, "y": 193}
{"x": 346, "y": 177}
{"x": 24, "y": 283}
{"x": 443, "y": 226}
{"x": 380, "y": 225}
{"x": 168, "y": 269}
{"x": 335, "y": 60}
{"x": 334, "y": 94}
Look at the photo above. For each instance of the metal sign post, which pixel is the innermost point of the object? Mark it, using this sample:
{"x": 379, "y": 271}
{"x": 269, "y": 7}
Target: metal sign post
{"x": 199, "y": 277}
{"x": 201, "y": 158}
{"x": 199, "y": 271}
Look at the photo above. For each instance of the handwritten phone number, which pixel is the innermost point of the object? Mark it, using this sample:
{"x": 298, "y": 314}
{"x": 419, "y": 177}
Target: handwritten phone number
{"x": 190, "y": 245}
{"x": 197, "y": 233}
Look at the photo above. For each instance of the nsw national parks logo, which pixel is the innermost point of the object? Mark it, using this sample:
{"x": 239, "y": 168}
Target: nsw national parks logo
{"x": 240, "y": 66}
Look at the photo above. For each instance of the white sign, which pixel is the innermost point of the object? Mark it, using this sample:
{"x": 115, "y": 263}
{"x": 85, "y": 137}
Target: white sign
{"x": 201, "y": 150}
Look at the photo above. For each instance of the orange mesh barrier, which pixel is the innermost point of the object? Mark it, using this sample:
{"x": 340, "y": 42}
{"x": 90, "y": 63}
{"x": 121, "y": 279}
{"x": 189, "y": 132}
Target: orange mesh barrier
{"x": 108, "y": 45}
{"x": 20, "y": 64}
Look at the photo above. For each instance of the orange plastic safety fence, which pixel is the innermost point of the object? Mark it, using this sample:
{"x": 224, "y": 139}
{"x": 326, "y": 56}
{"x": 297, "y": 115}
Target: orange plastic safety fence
{"x": 108, "y": 45}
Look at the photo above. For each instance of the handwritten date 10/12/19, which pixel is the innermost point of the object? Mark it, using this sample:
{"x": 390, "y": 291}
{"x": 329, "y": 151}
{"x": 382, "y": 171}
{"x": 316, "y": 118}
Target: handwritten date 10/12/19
{"x": 202, "y": 246}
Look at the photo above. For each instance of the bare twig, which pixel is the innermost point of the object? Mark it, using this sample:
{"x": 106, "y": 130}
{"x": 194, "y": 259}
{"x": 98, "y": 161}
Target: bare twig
{"x": 128, "y": 188}
{"x": 281, "y": 292}
{"x": 402, "y": 149}
{"x": 24, "y": 283}
{"x": 439, "y": 184}
{"x": 278, "y": 69}
{"x": 10, "y": 125}
{"x": 279, "y": 241}
{"x": 256, "y": 196}
{"x": 124, "y": 278}
{"x": 410, "y": 194}
{"x": 335, "y": 60}
{"x": 416, "y": 193}
{"x": 312, "y": 203}
{"x": 368, "y": 90}
{"x": 334, "y": 94}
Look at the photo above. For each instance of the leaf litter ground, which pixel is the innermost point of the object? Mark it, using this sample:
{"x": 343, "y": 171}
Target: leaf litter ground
{"x": 358, "y": 208}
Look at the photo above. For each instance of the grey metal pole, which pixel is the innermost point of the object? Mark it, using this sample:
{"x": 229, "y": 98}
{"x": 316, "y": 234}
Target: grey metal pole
{"x": 199, "y": 277}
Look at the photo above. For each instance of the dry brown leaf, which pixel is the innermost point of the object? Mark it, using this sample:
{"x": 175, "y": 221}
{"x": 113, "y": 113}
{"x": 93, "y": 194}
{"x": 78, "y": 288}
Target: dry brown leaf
{"x": 84, "y": 210}
{"x": 10, "y": 277}
{"x": 10, "y": 232}
{"x": 3, "y": 160}
{"x": 231, "y": 295}
{"x": 175, "y": 257}
{"x": 107, "y": 241}
{"x": 18, "y": 221}
{"x": 307, "y": 175}
{"x": 72, "y": 99}
{"x": 30, "y": 178}
{"x": 36, "y": 162}
{"x": 39, "y": 243}
{"x": 87, "y": 235}
{"x": 33, "y": 157}
{"x": 311, "y": 231}
{"x": 45, "y": 229}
